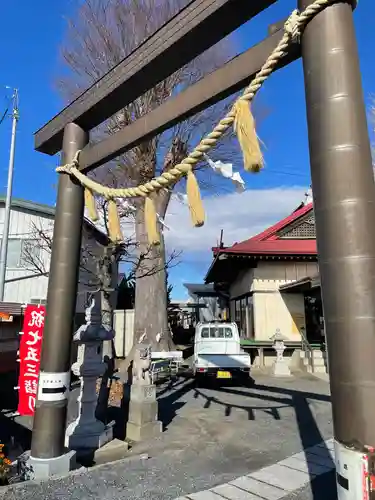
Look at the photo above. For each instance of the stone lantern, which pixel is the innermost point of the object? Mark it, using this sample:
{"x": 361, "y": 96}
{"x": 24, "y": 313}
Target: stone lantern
{"x": 87, "y": 432}
{"x": 280, "y": 367}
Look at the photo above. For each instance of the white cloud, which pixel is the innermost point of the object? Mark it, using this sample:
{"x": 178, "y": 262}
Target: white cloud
{"x": 239, "y": 215}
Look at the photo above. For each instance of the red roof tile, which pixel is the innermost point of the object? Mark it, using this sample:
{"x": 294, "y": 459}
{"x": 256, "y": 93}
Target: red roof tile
{"x": 268, "y": 243}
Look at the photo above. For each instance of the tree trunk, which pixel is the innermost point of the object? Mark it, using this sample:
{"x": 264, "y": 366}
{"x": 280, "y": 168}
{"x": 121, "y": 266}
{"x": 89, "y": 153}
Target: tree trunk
{"x": 151, "y": 314}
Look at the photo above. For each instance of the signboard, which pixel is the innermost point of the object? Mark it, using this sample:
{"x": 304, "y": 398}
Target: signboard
{"x": 29, "y": 357}
{"x": 53, "y": 386}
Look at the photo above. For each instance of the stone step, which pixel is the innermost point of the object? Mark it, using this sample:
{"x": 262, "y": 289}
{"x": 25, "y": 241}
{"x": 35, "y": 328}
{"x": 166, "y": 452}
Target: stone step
{"x": 320, "y": 369}
{"x": 114, "y": 450}
{"x": 317, "y": 362}
{"x": 319, "y": 354}
{"x": 316, "y": 354}
{"x": 317, "y": 369}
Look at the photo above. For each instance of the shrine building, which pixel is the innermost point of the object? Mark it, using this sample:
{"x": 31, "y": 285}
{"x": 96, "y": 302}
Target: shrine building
{"x": 271, "y": 281}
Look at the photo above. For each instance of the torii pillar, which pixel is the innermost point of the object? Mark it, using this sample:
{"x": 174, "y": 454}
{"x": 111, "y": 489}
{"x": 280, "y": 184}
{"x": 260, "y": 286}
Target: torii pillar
{"x": 344, "y": 205}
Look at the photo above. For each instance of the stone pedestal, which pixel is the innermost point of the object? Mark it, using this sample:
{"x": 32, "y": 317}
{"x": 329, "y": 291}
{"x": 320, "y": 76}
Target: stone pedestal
{"x": 87, "y": 432}
{"x": 280, "y": 367}
{"x": 44, "y": 468}
{"x": 143, "y": 413}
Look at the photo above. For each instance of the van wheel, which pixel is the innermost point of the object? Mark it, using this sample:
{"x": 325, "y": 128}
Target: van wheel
{"x": 200, "y": 380}
{"x": 247, "y": 380}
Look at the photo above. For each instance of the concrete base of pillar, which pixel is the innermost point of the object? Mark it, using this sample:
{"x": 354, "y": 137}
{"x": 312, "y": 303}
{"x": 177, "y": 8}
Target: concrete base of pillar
{"x": 43, "y": 468}
{"x": 280, "y": 369}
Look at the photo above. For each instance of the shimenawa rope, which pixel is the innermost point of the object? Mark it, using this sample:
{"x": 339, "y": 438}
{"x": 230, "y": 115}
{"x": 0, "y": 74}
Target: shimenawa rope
{"x": 240, "y": 116}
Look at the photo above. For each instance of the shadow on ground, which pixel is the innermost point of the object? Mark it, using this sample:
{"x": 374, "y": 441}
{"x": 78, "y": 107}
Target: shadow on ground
{"x": 168, "y": 393}
{"x": 270, "y": 398}
{"x": 278, "y": 397}
{"x": 169, "y": 403}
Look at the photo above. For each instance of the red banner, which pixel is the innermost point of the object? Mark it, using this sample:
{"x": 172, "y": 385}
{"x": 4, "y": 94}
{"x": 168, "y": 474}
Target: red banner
{"x": 29, "y": 355}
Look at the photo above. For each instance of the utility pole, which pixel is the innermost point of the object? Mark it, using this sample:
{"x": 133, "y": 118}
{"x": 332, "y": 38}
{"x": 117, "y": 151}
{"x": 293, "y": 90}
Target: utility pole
{"x": 344, "y": 200}
{"x": 5, "y": 236}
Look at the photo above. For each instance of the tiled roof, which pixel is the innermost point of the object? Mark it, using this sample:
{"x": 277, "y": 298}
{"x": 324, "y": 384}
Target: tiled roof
{"x": 268, "y": 243}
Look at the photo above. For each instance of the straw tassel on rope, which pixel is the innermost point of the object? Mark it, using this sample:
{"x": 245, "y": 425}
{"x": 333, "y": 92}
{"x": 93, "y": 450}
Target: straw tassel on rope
{"x": 244, "y": 127}
{"x": 114, "y": 227}
{"x": 151, "y": 222}
{"x": 91, "y": 205}
{"x": 194, "y": 199}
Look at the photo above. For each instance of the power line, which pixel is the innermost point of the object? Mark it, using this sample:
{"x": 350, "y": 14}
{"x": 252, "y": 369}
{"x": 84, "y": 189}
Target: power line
{"x": 4, "y": 115}
{"x": 7, "y": 106}
{"x": 294, "y": 174}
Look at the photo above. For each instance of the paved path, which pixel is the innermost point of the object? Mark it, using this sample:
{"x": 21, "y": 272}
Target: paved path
{"x": 275, "y": 481}
{"x": 212, "y": 437}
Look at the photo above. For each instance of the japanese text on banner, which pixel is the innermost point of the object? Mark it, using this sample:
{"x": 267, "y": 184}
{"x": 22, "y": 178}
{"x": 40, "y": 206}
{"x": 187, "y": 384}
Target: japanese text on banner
{"x": 29, "y": 355}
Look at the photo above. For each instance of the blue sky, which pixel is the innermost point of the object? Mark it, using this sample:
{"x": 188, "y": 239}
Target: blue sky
{"x": 29, "y": 40}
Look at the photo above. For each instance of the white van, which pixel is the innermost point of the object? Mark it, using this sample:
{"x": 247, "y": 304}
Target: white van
{"x": 218, "y": 353}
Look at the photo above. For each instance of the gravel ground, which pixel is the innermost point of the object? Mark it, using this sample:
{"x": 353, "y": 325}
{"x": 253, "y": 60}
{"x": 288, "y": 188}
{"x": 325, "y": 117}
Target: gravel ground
{"x": 211, "y": 436}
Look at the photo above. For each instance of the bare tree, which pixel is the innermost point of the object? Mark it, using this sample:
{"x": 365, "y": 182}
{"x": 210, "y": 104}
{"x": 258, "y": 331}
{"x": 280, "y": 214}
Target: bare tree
{"x": 96, "y": 268}
{"x": 99, "y": 35}
{"x": 97, "y": 275}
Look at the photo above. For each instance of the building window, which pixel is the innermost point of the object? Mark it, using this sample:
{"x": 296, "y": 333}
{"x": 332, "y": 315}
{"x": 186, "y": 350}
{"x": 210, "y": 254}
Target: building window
{"x": 243, "y": 315}
{"x": 22, "y": 253}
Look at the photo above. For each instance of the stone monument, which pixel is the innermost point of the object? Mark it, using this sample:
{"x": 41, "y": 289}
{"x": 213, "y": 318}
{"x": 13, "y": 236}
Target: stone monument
{"x": 143, "y": 408}
{"x": 87, "y": 433}
{"x": 280, "y": 367}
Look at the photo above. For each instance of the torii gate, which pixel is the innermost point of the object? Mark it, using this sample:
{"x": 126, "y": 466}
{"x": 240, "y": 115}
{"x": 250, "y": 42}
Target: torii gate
{"x": 342, "y": 179}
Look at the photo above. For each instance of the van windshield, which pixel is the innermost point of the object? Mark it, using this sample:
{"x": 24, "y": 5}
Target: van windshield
{"x": 216, "y": 332}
